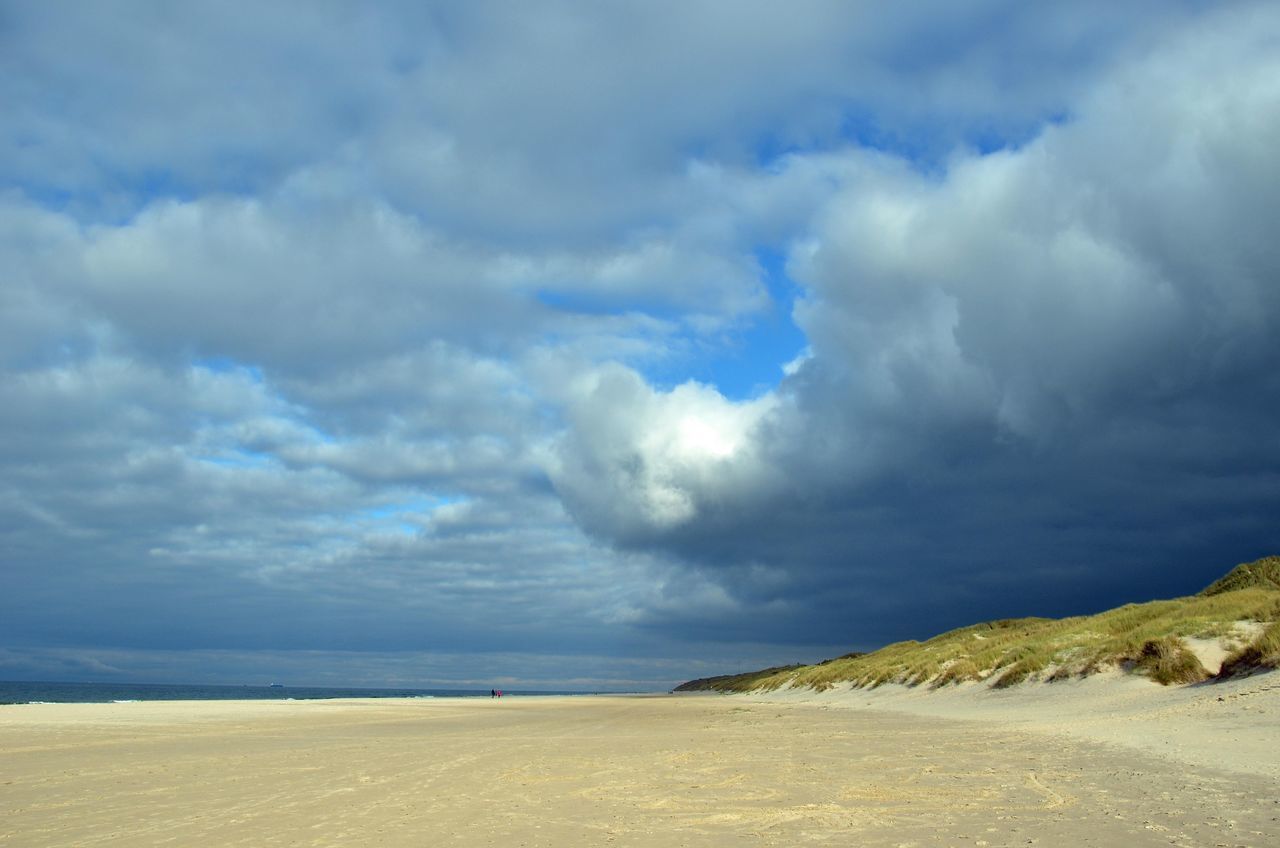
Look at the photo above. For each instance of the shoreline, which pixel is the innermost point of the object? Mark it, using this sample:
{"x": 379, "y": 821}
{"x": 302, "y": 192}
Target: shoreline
{"x": 18, "y": 692}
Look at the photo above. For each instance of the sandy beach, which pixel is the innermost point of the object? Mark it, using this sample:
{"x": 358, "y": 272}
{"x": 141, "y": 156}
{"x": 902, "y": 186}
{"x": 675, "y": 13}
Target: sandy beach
{"x": 1075, "y": 766}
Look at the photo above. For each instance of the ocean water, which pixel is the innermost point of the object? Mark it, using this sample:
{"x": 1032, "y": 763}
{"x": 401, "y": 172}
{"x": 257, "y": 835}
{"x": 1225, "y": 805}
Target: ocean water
{"x": 12, "y": 692}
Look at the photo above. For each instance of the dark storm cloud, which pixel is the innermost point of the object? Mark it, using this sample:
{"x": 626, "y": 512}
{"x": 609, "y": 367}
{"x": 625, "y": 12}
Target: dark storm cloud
{"x": 1035, "y": 383}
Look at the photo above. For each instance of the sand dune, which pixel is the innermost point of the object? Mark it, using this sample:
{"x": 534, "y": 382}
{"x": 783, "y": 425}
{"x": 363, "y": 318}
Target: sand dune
{"x": 646, "y": 771}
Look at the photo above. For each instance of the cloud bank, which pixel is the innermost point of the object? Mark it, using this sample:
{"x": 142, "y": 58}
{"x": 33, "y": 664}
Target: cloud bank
{"x": 421, "y": 334}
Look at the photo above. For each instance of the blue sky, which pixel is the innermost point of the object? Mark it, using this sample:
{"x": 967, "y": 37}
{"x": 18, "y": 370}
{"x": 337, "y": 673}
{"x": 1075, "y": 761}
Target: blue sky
{"x": 564, "y": 346}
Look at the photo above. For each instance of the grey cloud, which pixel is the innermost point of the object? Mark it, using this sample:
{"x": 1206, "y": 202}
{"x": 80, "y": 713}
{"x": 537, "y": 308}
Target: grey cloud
{"x": 517, "y": 116}
{"x": 331, "y": 331}
{"x": 212, "y": 96}
{"x": 125, "y": 485}
{"x": 1074, "y": 282}
{"x": 467, "y": 114}
{"x": 302, "y": 284}
{"x": 279, "y": 289}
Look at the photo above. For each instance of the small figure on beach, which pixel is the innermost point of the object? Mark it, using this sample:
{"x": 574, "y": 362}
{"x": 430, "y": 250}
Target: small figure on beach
{"x": 493, "y": 693}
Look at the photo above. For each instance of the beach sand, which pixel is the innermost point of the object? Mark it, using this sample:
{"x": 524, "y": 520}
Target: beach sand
{"x": 786, "y": 769}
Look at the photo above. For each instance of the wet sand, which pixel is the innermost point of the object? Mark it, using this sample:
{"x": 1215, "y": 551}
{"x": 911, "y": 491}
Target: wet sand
{"x": 643, "y": 771}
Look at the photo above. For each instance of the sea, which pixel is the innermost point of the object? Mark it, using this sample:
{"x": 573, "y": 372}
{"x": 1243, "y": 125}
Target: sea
{"x": 13, "y": 692}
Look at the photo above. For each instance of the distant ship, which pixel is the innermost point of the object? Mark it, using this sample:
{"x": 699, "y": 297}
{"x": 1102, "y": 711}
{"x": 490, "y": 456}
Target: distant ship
{"x": 276, "y": 685}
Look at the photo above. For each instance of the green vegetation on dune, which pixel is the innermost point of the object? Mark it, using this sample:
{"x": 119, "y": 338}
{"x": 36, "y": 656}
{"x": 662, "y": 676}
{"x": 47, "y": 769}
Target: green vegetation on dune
{"x": 732, "y": 682}
{"x": 1144, "y": 639}
{"x": 1264, "y": 573}
{"x": 1263, "y": 652}
{"x": 1168, "y": 660}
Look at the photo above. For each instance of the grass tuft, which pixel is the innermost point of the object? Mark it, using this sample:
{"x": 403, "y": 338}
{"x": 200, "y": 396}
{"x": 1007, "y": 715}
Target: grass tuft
{"x": 1020, "y": 670}
{"x": 1261, "y": 654}
{"x": 957, "y": 672}
{"x": 1168, "y": 660}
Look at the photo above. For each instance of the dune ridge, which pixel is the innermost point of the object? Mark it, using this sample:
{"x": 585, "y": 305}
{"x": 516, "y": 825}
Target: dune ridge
{"x": 1229, "y": 629}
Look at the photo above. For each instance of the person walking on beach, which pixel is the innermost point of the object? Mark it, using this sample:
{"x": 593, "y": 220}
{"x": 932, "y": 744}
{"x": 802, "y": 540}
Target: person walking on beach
{"x": 493, "y": 693}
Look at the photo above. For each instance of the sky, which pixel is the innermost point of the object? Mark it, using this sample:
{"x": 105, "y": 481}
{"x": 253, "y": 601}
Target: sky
{"x": 600, "y": 346}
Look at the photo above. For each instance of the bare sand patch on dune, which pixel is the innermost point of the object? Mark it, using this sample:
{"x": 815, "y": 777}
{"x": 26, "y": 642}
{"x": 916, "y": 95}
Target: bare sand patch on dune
{"x": 660, "y": 771}
{"x": 1228, "y": 726}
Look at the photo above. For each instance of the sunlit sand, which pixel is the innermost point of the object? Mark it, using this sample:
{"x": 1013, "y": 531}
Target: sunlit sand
{"x": 790, "y": 769}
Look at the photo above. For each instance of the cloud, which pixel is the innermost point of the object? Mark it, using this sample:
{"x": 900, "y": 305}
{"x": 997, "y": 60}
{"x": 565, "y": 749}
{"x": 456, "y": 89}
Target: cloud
{"x": 1060, "y": 282}
{"x": 466, "y": 115}
{"x": 636, "y": 459}
{"x": 1040, "y": 353}
{"x": 352, "y": 331}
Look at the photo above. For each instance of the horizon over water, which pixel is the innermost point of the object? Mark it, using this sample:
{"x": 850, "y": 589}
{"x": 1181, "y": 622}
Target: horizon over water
{"x": 64, "y": 692}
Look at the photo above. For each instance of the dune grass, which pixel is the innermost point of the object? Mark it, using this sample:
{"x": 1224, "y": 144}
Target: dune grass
{"x": 1262, "y": 653}
{"x": 732, "y": 682}
{"x": 1167, "y": 660}
{"x": 1264, "y": 573}
{"x": 1140, "y": 638}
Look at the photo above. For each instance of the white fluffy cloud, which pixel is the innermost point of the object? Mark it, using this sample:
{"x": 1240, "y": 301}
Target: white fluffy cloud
{"x": 638, "y": 460}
